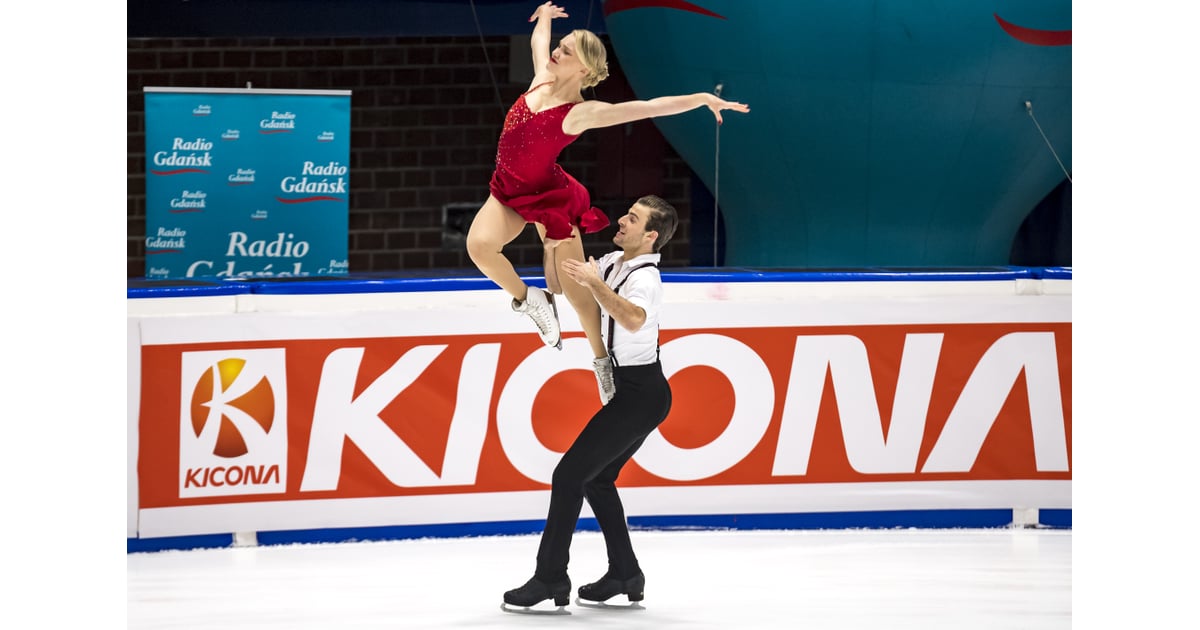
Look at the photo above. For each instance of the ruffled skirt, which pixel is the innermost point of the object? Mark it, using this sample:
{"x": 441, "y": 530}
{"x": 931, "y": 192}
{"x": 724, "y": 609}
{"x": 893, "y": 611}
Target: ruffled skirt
{"x": 557, "y": 208}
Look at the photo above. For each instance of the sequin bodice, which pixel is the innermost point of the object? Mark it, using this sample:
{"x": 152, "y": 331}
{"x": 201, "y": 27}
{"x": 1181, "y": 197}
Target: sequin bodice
{"x": 528, "y": 178}
{"x": 529, "y": 147}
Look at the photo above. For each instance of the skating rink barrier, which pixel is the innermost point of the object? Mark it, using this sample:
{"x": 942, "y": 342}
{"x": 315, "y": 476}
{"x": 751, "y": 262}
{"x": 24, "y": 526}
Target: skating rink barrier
{"x": 378, "y": 406}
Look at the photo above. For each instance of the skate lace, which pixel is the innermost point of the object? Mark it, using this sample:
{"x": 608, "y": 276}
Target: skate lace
{"x": 541, "y": 316}
{"x": 606, "y": 378}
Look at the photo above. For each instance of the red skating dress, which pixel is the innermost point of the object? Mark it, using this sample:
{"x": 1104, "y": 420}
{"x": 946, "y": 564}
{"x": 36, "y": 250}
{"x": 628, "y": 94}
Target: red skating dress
{"x": 528, "y": 178}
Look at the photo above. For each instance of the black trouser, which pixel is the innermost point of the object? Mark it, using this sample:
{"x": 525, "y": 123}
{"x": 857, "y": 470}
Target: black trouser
{"x": 590, "y": 468}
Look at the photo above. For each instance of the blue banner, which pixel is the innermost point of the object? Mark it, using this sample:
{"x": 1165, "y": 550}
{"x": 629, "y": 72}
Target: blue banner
{"x": 247, "y": 183}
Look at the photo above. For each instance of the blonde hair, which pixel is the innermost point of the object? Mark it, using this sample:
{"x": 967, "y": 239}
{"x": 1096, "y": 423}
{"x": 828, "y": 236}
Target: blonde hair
{"x": 592, "y": 53}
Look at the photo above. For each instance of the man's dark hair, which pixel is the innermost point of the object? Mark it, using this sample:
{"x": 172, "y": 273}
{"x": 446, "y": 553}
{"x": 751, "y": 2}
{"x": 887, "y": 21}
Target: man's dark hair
{"x": 663, "y": 219}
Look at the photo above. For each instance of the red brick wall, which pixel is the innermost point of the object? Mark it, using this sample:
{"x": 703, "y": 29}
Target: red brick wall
{"x": 424, "y": 123}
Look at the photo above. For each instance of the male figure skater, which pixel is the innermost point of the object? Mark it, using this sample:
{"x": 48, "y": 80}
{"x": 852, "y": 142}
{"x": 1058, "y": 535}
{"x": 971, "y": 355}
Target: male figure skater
{"x": 628, "y": 288}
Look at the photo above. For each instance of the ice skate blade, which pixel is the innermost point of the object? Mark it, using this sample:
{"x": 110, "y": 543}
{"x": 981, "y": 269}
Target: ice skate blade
{"x": 631, "y": 606}
{"x": 519, "y": 610}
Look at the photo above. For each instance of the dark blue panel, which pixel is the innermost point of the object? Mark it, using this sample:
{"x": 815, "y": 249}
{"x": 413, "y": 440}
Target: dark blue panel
{"x": 472, "y": 281}
{"x": 207, "y": 541}
{"x": 1054, "y": 273}
{"x": 410, "y": 532}
{"x": 921, "y": 519}
{"x": 344, "y": 18}
{"x": 931, "y": 519}
{"x": 141, "y": 288}
{"x": 1055, "y": 518}
{"x": 392, "y": 285}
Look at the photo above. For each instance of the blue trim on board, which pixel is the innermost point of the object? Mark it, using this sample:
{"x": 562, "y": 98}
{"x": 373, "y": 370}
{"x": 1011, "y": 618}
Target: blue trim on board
{"x": 409, "y": 532}
{"x": 857, "y": 274}
{"x": 918, "y": 519}
{"x": 1053, "y": 273}
{"x": 922, "y": 519}
{"x": 1055, "y": 518}
{"x": 137, "y": 288}
{"x": 168, "y": 543}
{"x": 393, "y": 285}
{"x": 472, "y": 281}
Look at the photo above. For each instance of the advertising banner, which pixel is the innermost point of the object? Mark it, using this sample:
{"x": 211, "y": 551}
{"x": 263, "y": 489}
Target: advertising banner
{"x": 246, "y": 183}
{"x": 369, "y": 425}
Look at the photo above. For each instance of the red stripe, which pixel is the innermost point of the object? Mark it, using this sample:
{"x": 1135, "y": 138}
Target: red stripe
{"x": 616, "y": 6}
{"x": 306, "y": 199}
{"x": 179, "y": 171}
{"x": 1034, "y": 36}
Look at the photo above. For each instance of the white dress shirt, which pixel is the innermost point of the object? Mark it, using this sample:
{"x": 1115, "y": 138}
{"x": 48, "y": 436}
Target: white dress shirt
{"x": 643, "y": 288}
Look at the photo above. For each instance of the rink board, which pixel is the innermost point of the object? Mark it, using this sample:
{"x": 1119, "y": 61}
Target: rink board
{"x": 423, "y": 406}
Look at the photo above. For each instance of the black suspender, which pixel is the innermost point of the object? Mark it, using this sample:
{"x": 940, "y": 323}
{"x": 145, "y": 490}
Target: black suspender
{"x": 612, "y": 323}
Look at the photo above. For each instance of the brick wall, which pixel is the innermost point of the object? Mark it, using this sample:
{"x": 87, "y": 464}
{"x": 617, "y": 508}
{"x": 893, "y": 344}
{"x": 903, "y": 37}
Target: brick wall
{"x": 425, "y": 117}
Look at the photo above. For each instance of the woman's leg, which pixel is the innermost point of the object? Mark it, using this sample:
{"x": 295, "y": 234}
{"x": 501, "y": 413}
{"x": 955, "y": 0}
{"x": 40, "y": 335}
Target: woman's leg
{"x": 494, "y": 226}
{"x": 578, "y": 295}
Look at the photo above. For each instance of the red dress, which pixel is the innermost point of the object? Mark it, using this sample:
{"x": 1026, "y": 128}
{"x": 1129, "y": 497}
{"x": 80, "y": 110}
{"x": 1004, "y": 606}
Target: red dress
{"x": 529, "y": 180}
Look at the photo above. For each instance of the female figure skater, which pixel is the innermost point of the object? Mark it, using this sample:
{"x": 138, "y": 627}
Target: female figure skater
{"x": 528, "y": 186}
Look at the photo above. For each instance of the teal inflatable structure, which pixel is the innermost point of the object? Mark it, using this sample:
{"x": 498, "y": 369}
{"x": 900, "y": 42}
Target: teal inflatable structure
{"x": 881, "y": 132}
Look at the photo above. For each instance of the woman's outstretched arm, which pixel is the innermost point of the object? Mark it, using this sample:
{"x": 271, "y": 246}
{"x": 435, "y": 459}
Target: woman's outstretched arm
{"x": 596, "y": 114}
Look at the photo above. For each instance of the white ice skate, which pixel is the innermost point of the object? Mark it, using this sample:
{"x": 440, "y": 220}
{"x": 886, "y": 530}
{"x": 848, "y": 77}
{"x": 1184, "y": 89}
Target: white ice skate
{"x": 604, "y": 379}
{"x": 539, "y": 306}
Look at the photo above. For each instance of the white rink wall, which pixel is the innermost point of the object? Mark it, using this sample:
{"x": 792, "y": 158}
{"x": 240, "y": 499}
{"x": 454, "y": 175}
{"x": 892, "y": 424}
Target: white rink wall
{"x": 408, "y": 407}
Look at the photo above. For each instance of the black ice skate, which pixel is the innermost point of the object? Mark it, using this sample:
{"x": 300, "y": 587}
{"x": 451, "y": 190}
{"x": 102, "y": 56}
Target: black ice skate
{"x": 595, "y": 595}
{"x": 522, "y": 600}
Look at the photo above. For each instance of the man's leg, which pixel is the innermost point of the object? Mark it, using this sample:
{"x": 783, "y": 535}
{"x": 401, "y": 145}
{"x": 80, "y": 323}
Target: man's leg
{"x": 608, "y": 436}
{"x": 602, "y": 496}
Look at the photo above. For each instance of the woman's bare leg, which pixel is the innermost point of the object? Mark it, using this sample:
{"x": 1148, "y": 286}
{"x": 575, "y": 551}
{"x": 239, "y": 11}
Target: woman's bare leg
{"x": 494, "y": 226}
{"x": 550, "y": 262}
{"x": 578, "y": 295}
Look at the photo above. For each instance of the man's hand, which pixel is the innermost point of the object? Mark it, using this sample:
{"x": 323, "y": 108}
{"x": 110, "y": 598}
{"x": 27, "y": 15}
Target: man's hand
{"x": 584, "y": 273}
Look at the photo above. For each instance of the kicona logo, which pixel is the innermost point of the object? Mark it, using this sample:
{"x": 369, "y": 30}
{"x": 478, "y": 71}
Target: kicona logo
{"x": 233, "y": 423}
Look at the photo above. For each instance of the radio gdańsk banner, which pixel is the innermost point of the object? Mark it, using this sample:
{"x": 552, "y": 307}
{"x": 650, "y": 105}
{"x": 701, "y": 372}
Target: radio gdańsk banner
{"x": 246, "y": 182}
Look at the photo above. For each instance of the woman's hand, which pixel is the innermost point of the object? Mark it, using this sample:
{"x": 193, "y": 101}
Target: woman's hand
{"x": 548, "y": 10}
{"x": 716, "y": 104}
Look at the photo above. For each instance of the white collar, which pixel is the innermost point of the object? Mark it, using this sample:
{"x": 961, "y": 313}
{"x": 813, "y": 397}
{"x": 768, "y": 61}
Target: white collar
{"x": 637, "y": 260}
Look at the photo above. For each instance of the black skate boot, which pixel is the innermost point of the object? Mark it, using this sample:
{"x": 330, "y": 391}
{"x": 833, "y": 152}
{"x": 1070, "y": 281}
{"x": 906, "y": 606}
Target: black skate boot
{"x": 535, "y": 592}
{"x": 595, "y": 594}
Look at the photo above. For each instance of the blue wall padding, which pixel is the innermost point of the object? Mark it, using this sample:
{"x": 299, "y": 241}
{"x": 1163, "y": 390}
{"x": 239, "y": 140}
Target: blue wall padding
{"x": 408, "y": 283}
{"x": 925, "y": 519}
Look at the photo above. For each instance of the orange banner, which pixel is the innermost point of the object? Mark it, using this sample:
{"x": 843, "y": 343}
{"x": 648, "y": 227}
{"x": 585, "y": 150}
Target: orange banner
{"x": 306, "y": 419}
